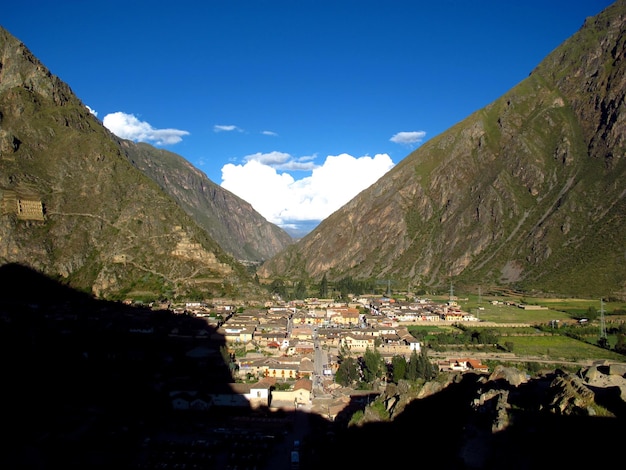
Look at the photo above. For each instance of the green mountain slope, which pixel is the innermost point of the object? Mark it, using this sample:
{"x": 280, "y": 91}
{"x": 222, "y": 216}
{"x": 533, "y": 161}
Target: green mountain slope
{"x": 74, "y": 208}
{"x": 526, "y": 193}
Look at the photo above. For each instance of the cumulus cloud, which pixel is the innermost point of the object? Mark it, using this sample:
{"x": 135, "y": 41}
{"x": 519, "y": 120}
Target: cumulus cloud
{"x": 92, "y": 111}
{"x": 408, "y": 138}
{"x": 225, "y": 128}
{"x": 288, "y": 202}
{"x": 127, "y": 126}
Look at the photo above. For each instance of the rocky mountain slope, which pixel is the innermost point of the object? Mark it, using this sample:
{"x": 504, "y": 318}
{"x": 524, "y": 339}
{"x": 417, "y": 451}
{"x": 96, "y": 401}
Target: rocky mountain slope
{"x": 229, "y": 220}
{"x": 74, "y": 207}
{"x": 527, "y": 192}
{"x": 504, "y": 419}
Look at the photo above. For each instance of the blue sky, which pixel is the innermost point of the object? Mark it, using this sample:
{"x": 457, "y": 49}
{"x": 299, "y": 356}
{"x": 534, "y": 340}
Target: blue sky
{"x": 295, "y": 106}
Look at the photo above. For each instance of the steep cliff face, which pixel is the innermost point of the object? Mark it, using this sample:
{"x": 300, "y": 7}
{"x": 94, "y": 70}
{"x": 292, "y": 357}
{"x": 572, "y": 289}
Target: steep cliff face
{"x": 229, "y": 220}
{"x": 527, "y": 192}
{"x": 75, "y": 209}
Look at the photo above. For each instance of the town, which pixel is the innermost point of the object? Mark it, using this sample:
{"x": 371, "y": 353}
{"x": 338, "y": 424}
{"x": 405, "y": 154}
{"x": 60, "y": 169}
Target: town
{"x": 223, "y": 383}
{"x": 284, "y": 356}
{"x": 299, "y": 343}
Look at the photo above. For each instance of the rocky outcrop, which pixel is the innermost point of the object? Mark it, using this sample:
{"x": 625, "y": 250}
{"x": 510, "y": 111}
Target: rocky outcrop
{"x": 510, "y": 375}
{"x": 501, "y": 415}
{"x": 471, "y": 420}
{"x": 569, "y": 395}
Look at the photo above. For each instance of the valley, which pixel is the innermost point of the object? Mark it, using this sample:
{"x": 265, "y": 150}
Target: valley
{"x": 468, "y": 309}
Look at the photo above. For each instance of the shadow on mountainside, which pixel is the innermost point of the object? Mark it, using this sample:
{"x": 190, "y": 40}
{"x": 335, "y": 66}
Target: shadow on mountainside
{"x": 454, "y": 429}
{"x": 84, "y": 386}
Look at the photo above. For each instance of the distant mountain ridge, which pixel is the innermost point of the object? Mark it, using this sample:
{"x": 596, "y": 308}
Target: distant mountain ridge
{"x": 77, "y": 206}
{"x": 230, "y": 220}
{"x": 526, "y": 193}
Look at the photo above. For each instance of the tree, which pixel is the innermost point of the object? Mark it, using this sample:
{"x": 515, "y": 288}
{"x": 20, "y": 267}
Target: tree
{"x": 485, "y": 336}
{"x": 620, "y": 346}
{"x": 348, "y": 285}
{"x": 398, "y": 368}
{"x": 300, "y": 290}
{"x": 425, "y": 368}
{"x": 347, "y": 373}
{"x": 420, "y": 367}
{"x": 372, "y": 365}
{"x": 278, "y": 287}
{"x": 592, "y": 313}
{"x": 411, "y": 370}
{"x": 324, "y": 287}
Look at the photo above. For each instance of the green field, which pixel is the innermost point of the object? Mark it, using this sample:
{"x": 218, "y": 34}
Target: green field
{"x": 557, "y": 347}
{"x": 565, "y": 310}
{"x": 504, "y": 312}
{"x": 509, "y": 314}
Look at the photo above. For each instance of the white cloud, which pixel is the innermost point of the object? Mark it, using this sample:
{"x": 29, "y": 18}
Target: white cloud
{"x": 283, "y": 161}
{"x": 225, "y": 128}
{"x": 285, "y": 201}
{"x": 412, "y": 137}
{"x": 127, "y": 126}
{"x": 92, "y": 111}
{"x": 269, "y": 133}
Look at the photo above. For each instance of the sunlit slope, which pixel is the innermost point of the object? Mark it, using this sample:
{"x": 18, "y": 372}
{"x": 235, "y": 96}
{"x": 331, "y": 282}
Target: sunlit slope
{"x": 526, "y": 193}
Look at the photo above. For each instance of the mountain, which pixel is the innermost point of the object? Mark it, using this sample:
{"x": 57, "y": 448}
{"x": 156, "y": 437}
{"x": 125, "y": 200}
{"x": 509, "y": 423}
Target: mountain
{"x": 228, "y": 219}
{"x": 75, "y": 205}
{"x": 526, "y": 193}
